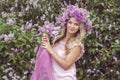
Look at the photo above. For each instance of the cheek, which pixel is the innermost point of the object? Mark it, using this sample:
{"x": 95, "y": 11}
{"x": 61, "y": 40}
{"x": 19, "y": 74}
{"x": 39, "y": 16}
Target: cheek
{"x": 76, "y": 29}
{"x": 68, "y": 25}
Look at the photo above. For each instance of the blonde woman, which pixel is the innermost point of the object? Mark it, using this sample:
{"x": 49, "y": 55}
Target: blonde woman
{"x": 68, "y": 47}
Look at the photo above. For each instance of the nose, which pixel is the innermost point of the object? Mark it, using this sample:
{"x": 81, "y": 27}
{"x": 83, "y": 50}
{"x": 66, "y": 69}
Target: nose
{"x": 72, "y": 25}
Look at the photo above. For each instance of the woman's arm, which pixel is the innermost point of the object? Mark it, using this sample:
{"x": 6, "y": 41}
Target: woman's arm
{"x": 71, "y": 57}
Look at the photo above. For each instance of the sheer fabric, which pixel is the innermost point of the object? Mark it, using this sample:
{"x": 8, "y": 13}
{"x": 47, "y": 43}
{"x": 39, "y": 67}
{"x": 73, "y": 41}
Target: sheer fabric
{"x": 43, "y": 66}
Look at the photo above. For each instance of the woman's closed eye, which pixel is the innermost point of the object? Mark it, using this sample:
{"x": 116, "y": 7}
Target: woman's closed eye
{"x": 69, "y": 22}
{"x": 76, "y": 24}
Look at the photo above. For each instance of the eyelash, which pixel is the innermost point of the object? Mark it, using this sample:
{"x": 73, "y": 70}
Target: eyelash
{"x": 71, "y": 22}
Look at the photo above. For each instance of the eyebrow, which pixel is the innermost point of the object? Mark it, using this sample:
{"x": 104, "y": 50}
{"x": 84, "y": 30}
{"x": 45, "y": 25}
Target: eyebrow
{"x": 75, "y": 22}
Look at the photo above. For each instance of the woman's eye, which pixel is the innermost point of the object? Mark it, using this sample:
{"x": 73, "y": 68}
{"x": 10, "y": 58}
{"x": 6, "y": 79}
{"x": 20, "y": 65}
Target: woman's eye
{"x": 70, "y": 22}
{"x": 76, "y": 24}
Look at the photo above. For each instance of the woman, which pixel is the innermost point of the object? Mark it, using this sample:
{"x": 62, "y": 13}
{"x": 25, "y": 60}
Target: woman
{"x": 68, "y": 47}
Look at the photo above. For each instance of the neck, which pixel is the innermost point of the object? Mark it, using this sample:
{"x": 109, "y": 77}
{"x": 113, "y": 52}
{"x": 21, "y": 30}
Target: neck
{"x": 67, "y": 37}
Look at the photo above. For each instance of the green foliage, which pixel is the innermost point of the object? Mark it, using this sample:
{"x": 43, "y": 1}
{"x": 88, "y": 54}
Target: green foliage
{"x": 24, "y": 43}
{"x": 102, "y": 47}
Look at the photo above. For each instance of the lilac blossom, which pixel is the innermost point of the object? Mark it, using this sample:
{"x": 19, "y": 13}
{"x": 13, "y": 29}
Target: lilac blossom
{"x": 22, "y": 28}
{"x": 26, "y": 72}
{"x": 117, "y": 72}
{"x": 20, "y": 14}
{"x": 8, "y": 69}
{"x": 4, "y": 14}
{"x": 11, "y": 35}
{"x": 35, "y": 49}
{"x": 32, "y": 61}
{"x": 7, "y": 37}
{"x": 20, "y": 49}
{"x": 11, "y": 22}
{"x": 10, "y": 74}
{"x": 14, "y": 49}
{"x": 15, "y": 77}
{"x": 5, "y": 77}
{"x": 80, "y": 14}
{"x": 88, "y": 25}
{"x": 29, "y": 25}
{"x": 1, "y": 36}
{"x": 43, "y": 17}
{"x": 12, "y": 9}
{"x": 50, "y": 29}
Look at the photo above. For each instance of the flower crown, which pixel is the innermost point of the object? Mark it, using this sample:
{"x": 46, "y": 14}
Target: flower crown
{"x": 50, "y": 29}
{"x": 80, "y": 14}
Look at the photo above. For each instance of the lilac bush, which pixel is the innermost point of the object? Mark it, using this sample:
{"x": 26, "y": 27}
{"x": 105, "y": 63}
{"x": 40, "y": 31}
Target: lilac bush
{"x": 20, "y": 35}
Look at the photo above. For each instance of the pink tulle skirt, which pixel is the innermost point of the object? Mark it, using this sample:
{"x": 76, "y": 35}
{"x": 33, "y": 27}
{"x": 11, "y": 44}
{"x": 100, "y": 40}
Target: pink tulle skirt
{"x": 43, "y": 66}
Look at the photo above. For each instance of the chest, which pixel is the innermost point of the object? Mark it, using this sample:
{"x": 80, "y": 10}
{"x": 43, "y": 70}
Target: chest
{"x": 60, "y": 50}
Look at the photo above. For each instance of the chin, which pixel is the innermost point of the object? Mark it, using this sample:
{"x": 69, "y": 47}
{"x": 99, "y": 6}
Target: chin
{"x": 72, "y": 32}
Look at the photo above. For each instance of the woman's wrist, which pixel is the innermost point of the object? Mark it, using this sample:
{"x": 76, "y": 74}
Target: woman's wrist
{"x": 52, "y": 52}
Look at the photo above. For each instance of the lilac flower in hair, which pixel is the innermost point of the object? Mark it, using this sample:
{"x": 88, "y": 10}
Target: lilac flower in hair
{"x": 80, "y": 14}
{"x": 88, "y": 26}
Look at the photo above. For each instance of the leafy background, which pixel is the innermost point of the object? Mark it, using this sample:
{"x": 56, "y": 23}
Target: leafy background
{"x": 19, "y": 37}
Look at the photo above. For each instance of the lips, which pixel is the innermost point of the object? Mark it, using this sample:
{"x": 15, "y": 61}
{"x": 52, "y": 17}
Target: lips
{"x": 71, "y": 29}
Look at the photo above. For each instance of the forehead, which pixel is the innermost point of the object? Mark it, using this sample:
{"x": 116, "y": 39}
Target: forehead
{"x": 73, "y": 20}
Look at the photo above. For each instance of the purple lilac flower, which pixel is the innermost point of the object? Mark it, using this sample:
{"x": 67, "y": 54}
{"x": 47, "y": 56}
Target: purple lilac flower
{"x": 7, "y": 69}
{"x": 8, "y": 37}
{"x": 32, "y": 61}
{"x": 1, "y": 36}
{"x": 4, "y": 14}
{"x": 20, "y": 14}
{"x": 4, "y": 77}
{"x": 11, "y": 35}
{"x": 20, "y": 49}
{"x": 22, "y": 28}
{"x": 117, "y": 72}
{"x": 14, "y": 49}
{"x": 26, "y": 72}
{"x": 11, "y": 22}
{"x": 80, "y": 14}
{"x": 88, "y": 25}
{"x": 62, "y": 19}
{"x": 50, "y": 29}
{"x": 28, "y": 25}
{"x": 10, "y": 74}
{"x": 12, "y": 9}
{"x": 35, "y": 49}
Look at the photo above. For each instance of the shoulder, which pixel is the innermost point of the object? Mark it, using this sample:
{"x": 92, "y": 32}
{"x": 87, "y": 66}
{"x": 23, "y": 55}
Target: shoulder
{"x": 77, "y": 49}
{"x": 76, "y": 46}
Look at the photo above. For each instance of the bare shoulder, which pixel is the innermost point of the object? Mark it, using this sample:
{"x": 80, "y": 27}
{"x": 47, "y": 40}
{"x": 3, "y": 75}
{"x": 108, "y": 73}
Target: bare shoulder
{"x": 75, "y": 49}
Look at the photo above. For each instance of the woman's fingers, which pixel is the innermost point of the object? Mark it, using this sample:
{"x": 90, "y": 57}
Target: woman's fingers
{"x": 43, "y": 44}
{"x": 44, "y": 38}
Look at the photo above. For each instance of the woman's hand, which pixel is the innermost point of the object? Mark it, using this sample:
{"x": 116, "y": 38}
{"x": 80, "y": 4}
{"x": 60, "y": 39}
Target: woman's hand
{"x": 46, "y": 43}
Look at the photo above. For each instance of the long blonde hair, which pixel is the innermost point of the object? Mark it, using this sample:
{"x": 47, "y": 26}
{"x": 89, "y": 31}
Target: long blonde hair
{"x": 77, "y": 38}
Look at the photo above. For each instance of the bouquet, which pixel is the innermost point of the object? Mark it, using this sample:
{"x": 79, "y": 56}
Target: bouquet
{"x": 43, "y": 65}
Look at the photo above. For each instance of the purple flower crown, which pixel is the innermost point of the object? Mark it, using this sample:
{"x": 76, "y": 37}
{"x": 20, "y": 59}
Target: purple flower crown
{"x": 80, "y": 14}
{"x": 50, "y": 29}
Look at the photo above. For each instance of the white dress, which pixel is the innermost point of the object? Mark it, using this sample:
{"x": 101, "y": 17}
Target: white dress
{"x": 58, "y": 72}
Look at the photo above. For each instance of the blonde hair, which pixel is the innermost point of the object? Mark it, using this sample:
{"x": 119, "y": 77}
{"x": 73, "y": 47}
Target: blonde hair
{"x": 77, "y": 38}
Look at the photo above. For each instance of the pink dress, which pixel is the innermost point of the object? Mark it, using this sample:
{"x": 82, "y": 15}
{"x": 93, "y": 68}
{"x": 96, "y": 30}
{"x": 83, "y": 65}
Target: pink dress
{"x": 58, "y": 72}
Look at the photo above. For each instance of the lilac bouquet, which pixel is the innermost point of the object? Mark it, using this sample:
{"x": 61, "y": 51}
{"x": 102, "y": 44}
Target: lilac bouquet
{"x": 80, "y": 14}
{"x": 43, "y": 64}
{"x": 50, "y": 29}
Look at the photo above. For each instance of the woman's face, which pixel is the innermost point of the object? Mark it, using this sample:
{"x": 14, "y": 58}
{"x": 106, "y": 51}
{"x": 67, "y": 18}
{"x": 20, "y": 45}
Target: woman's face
{"x": 72, "y": 25}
